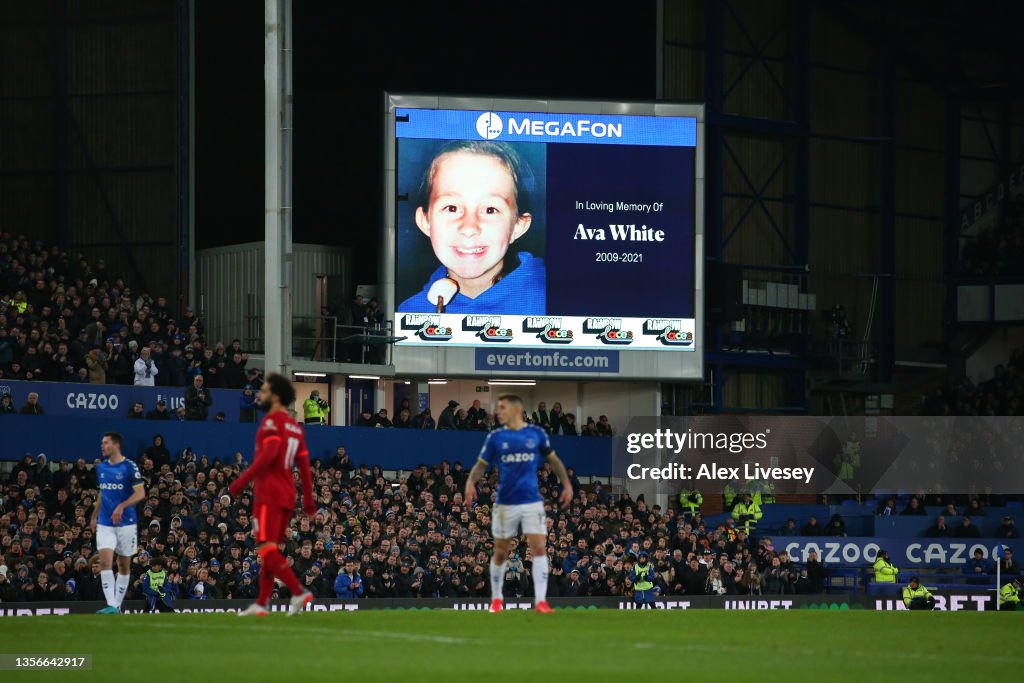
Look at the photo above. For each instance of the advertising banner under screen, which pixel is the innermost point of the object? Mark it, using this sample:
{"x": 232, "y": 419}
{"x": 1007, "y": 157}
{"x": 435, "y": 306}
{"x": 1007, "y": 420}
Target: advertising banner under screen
{"x": 545, "y": 229}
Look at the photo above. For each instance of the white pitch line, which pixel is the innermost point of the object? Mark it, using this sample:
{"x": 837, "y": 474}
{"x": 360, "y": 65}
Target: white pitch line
{"x": 351, "y": 633}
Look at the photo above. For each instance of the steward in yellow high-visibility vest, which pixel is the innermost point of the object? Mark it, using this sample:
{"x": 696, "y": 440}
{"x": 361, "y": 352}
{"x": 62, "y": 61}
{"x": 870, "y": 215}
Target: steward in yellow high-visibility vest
{"x": 847, "y": 462}
{"x": 755, "y": 492}
{"x": 643, "y": 582}
{"x": 916, "y": 596}
{"x": 19, "y": 305}
{"x": 761, "y": 492}
{"x": 1009, "y": 595}
{"x": 153, "y": 580}
{"x": 885, "y": 571}
{"x": 690, "y": 501}
{"x": 729, "y": 495}
{"x": 315, "y": 409}
{"x": 747, "y": 513}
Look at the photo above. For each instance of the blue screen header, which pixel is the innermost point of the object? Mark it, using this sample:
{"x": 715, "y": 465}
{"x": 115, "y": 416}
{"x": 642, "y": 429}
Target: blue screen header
{"x": 589, "y": 129}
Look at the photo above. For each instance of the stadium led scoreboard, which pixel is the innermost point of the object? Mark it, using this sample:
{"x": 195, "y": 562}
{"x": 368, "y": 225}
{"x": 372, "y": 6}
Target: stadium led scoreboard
{"x": 544, "y": 238}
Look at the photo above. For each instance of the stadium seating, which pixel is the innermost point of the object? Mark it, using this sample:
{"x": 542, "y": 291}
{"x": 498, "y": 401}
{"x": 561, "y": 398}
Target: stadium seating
{"x": 55, "y": 308}
{"x": 996, "y": 396}
{"x": 418, "y": 523}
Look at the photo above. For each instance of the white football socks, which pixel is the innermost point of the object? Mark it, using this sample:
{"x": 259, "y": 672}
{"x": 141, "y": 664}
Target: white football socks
{"x": 540, "y": 578}
{"x": 120, "y": 588}
{"x": 498, "y": 580}
{"x": 107, "y": 579}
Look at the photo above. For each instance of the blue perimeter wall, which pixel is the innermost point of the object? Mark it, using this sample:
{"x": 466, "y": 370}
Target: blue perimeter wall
{"x": 73, "y": 438}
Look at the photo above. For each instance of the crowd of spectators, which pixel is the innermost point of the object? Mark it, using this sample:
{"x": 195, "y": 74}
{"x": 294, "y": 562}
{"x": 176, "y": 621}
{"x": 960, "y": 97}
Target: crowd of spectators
{"x": 64, "y": 318}
{"x": 997, "y": 250}
{"x": 477, "y": 419}
{"x": 372, "y": 537}
{"x": 1000, "y": 395}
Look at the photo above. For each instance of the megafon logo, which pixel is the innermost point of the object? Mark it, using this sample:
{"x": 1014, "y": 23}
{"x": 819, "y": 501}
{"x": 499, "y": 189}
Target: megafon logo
{"x": 487, "y": 327}
{"x": 608, "y": 330}
{"x": 427, "y": 327}
{"x": 668, "y": 332}
{"x": 548, "y": 330}
{"x": 489, "y": 125}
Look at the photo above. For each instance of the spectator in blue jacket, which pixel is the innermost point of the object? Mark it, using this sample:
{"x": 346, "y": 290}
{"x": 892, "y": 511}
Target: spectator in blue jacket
{"x": 348, "y": 584}
{"x": 247, "y": 405}
{"x": 247, "y": 589}
{"x": 1007, "y": 529}
{"x": 175, "y": 364}
{"x": 977, "y": 568}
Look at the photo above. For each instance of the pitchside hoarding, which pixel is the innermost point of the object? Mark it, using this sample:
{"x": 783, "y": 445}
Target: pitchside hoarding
{"x": 570, "y": 227}
{"x": 975, "y": 601}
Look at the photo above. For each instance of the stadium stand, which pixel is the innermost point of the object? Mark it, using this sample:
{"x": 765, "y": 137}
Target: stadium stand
{"x": 997, "y": 396}
{"x": 406, "y": 534}
{"x": 66, "y": 319}
{"x": 476, "y": 419}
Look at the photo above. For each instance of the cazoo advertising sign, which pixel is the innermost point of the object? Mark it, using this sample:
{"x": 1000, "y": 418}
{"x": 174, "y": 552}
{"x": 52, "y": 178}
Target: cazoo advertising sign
{"x": 61, "y": 399}
{"x": 903, "y": 552}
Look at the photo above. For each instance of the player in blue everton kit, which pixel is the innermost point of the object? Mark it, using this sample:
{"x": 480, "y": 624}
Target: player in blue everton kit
{"x": 518, "y": 450}
{"x": 114, "y": 520}
{"x": 473, "y": 207}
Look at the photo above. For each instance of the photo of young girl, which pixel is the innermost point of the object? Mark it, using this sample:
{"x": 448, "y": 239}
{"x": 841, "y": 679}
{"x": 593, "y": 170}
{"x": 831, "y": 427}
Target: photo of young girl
{"x": 473, "y": 205}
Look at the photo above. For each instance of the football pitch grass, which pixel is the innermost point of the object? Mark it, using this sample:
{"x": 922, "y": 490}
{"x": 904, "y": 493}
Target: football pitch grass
{"x": 569, "y": 645}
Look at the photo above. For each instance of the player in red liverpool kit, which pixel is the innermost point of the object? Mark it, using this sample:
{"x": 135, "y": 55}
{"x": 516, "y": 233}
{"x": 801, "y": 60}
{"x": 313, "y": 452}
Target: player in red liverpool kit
{"x": 280, "y": 447}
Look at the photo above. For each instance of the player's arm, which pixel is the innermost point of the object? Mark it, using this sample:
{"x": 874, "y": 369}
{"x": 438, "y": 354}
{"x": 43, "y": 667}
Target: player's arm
{"x": 558, "y": 467}
{"x": 96, "y": 510}
{"x": 475, "y": 474}
{"x": 306, "y": 480}
{"x": 262, "y": 461}
{"x": 138, "y": 495}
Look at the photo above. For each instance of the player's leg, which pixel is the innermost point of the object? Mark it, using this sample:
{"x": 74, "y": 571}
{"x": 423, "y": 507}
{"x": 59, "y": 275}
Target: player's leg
{"x": 538, "y": 549}
{"x": 504, "y": 526}
{"x": 123, "y": 579}
{"x": 127, "y": 541}
{"x": 261, "y": 520}
{"x": 275, "y": 522}
{"x": 499, "y": 563}
{"x": 278, "y": 566}
{"x": 106, "y": 542}
{"x": 534, "y": 523}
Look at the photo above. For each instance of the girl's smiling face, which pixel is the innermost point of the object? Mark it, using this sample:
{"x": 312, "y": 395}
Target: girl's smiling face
{"x": 472, "y": 217}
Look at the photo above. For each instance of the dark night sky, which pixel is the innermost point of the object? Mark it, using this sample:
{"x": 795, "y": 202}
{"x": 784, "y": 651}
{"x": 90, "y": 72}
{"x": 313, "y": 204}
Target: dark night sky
{"x": 343, "y": 64}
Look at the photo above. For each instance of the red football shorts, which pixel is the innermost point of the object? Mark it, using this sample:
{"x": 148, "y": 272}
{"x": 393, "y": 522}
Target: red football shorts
{"x": 271, "y": 523}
